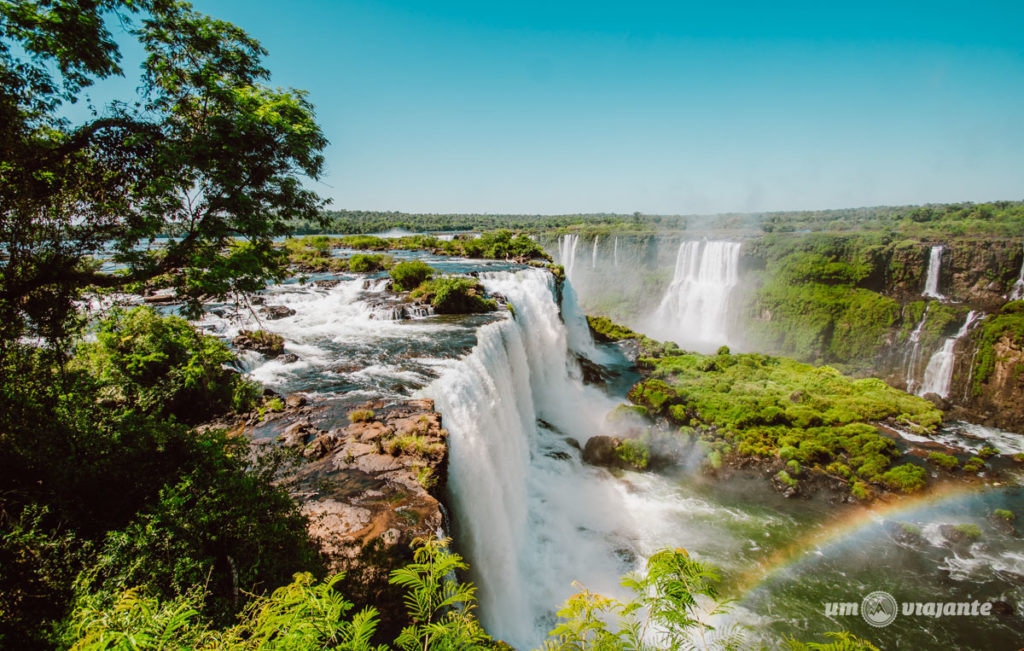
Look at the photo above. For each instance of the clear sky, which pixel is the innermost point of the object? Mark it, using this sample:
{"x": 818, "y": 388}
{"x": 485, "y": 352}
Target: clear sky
{"x": 661, "y": 107}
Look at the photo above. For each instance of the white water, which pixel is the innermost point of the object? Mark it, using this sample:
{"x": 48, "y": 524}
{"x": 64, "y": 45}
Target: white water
{"x": 938, "y": 376}
{"x": 593, "y": 254}
{"x": 529, "y": 522}
{"x": 1017, "y": 292}
{"x": 915, "y": 351}
{"x": 931, "y": 284}
{"x": 567, "y": 252}
{"x": 695, "y": 309}
{"x": 615, "y": 254}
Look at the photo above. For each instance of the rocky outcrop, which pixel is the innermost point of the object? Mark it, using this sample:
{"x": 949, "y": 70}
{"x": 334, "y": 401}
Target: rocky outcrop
{"x": 274, "y": 312}
{"x": 369, "y": 489}
{"x": 261, "y": 341}
{"x": 1001, "y": 400}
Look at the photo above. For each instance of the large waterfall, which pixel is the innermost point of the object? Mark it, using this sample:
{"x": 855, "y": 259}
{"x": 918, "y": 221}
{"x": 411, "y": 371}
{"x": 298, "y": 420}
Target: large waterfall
{"x": 931, "y": 284}
{"x": 530, "y": 517}
{"x": 938, "y": 376}
{"x": 694, "y": 311}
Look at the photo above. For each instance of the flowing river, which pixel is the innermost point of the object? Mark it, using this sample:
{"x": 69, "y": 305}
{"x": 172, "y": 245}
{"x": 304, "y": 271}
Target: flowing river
{"x": 531, "y": 518}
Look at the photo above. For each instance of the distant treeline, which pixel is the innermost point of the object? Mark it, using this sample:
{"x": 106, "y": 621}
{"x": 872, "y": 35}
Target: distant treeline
{"x": 995, "y": 218}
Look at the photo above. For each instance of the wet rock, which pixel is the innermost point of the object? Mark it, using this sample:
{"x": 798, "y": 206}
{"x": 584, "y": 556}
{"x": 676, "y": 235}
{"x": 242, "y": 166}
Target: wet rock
{"x": 594, "y": 373}
{"x": 329, "y": 283}
{"x": 274, "y": 312}
{"x": 288, "y": 358}
{"x": 295, "y": 401}
{"x": 600, "y": 450}
{"x": 261, "y": 341}
{"x": 1003, "y": 608}
{"x": 298, "y": 434}
{"x": 936, "y": 400}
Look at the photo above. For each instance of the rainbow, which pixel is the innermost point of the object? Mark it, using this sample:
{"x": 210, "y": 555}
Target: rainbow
{"x": 847, "y": 526}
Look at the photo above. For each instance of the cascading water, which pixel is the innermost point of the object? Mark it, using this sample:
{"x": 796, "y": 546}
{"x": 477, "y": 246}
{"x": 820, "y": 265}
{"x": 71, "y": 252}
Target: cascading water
{"x": 593, "y": 254}
{"x": 938, "y": 376}
{"x": 695, "y": 308}
{"x": 530, "y": 517}
{"x": 1017, "y": 292}
{"x": 931, "y": 284}
{"x": 567, "y": 251}
{"x": 914, "y": 355}
{"x": 615, "y": 254}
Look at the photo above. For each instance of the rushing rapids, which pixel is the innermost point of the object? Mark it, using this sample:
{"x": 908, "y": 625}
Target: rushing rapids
{"x": 532, "y": 518}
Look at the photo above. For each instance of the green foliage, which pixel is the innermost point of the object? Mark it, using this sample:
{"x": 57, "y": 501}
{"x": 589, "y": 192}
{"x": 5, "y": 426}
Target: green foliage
{"x": 267, "y": 341}
{"x": 454, "y": 295}
{"x": 364, "y": 242}
{"x": 974, "y": 464}
{"x": 204, "y": 150}
{"x": 906, "y": 477}
{"x": 1003, "y": 514}
{"x": 406, "y": 276}
{"x": 818, "y": 311}
{"x": 313, "y": 253}
{"x": 1008, "y": 324}
{"x": 361, "y": 415}
{"x": 987, "y": 452}
{"x": 970, "y": 532}
{"x": 947, "y": 461}
{"x": 841, "y": 641}
{"x": 440, "y": 608}
{"x": 673, "y": 603}
{"x": 159, "y": 365}
{"x": 604, "y": 330}
{"x": 784, "y": 477}
{"x": 634, "y": 453}
{"x": 369, "y": 262}
{"x": 765, "y": 407}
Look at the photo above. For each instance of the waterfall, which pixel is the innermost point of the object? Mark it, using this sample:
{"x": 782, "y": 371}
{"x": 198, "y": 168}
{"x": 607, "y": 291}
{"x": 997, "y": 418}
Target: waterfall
{"x": 593, "y": 255}
{"x": 931, "y": 284}
{"x": 615, "y": 254}
{"x": 529, "y": 516}
{"x": 1017, "y": 292}
{"x": 695, "y": 309}
{"x": 914, "y": 356}
{"x": 567, "y": 251}
{"x": 938, "y": 376}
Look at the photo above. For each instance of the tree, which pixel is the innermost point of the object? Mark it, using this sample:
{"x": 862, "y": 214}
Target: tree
{"x": 207, "y": 153}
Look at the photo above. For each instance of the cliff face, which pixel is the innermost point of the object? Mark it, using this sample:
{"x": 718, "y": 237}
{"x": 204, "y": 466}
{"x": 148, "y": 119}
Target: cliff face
{"x": 851, "y": 300}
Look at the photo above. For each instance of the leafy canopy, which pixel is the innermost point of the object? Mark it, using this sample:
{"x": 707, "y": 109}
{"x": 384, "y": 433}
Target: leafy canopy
{"x": 206, "y": 152}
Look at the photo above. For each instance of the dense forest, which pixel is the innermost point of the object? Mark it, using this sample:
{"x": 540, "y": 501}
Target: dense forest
{"x": 995, "y": 218}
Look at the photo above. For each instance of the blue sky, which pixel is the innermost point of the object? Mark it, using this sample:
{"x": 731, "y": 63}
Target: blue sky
{"x": 562, "y": 107}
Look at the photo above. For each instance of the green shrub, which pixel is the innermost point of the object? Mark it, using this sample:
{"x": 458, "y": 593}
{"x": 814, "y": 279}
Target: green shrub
{"x": 161, "y": 366}
{"x": 369, "y": 262}
{"x": 946, "y": 461}
{"x": 406, "y": 276}
{"x": 974, "y": 464}
{"x": 633, "y": 453}
{"x": 861, "y": 490}
{"x": 1003, "y": 514}
{"x": 784, "y": 477}
{"x": 907, "y": 478}
{"x": 970, "y": 532}
{"x": 361, "y": 415}
{"x": 454, "y": 295}
{"x": 987, "y": 451}
{"x": 365, "y": 242}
